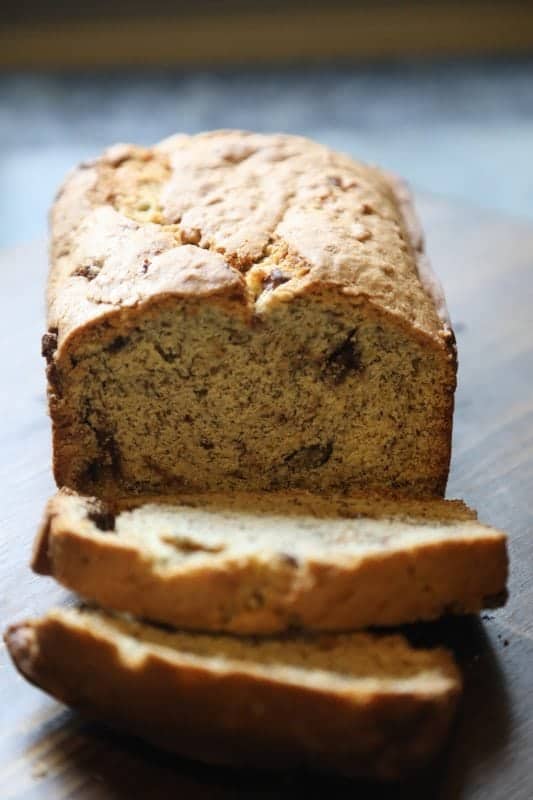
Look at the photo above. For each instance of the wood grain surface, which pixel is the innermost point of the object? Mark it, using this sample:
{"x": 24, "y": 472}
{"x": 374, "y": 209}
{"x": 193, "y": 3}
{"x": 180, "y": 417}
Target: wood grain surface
{"x": 195, "y": 33}
{"x": 49, "y": 753}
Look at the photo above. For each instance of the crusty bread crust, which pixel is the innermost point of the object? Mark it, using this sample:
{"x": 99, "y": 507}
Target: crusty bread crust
{"x": 424, "y": 566}
{"x": 157, "y": 201}
{"x": 237, "y": 712}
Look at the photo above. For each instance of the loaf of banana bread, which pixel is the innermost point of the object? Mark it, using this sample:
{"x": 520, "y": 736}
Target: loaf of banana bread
{"x": 242, "y": 311}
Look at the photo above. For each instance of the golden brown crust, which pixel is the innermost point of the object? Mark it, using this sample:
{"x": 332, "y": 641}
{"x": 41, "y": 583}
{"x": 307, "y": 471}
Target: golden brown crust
{"x": 231, "y": 712}
{"x": 401, "y": 574}
{"x": 199, "y": 215}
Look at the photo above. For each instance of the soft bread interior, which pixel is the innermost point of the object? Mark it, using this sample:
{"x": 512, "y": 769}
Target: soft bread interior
{"x": 318, "y": 393}
{"x": 286, "y": 526}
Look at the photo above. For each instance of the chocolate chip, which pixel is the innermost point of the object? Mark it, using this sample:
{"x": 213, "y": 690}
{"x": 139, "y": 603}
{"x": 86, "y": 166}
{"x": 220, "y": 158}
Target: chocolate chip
{"x": 274, "y": 279}
{"x": 344, "y": 360}
{"x": 94, "y": 470}
{"x": 311, "y": 457}
{"x": 145, "y": 265}
{"x": 207, "y": 444}
{"x": 49, "y": 344}
{"x": 109, "y": 446}
{"x": 104, "y": 520}
{"x": 452, "y": 341}
{"x": 166, "y": 354}
{"x": 118, "y": 343}
{"x": 89, "y": 271}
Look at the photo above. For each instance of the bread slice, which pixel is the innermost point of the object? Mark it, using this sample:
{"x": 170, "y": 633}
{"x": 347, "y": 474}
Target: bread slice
{"x": 264, "y": 563}
{"x": 357, "y": 703}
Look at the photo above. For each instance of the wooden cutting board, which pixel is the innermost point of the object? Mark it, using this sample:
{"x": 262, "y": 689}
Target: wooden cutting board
{"x": 46, "y": 751}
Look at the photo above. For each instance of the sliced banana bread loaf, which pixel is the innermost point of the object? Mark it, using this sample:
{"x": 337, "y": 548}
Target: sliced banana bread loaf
{"x": 233, "y": 310}
{"x": 357, "y": 704}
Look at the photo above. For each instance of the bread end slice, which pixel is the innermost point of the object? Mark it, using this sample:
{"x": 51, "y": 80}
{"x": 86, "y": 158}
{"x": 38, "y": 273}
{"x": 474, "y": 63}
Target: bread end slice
{"x": 357, "y": 704}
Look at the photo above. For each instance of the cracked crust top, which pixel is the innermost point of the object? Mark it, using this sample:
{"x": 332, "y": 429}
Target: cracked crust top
{"x": 253, "y": 219}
